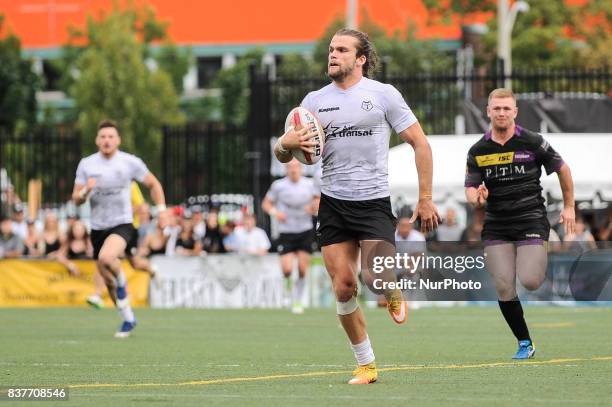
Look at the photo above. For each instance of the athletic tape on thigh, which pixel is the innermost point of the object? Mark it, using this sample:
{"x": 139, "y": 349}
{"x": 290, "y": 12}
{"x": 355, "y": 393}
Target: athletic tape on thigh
{"x": 348, "y": 307}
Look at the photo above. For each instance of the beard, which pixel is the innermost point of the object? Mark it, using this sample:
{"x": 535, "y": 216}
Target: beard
{"x": 500, "y": 128}
{"x": 503, "y": 126}
{"x": 341, "y": 73}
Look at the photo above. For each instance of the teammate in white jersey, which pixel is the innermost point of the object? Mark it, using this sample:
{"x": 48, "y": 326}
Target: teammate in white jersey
{"x": 358, "y": 114}
{"x": 293, "y": 201}
{"x": 105, "y": 178}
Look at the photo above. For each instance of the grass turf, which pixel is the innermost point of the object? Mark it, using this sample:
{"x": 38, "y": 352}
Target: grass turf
{"x": 442, "y": 356}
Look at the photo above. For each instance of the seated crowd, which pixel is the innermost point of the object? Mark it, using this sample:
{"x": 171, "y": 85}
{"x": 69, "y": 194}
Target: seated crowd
{"x": 191, "y": 232}
{"x": 177, "y": 232}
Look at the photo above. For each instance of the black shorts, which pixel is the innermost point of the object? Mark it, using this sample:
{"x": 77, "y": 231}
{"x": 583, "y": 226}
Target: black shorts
{"x": 518, "y": 232}
{"x": 340, "y": 220}
{"x": 126, "y": 231}
{"x": 295, "y": 242}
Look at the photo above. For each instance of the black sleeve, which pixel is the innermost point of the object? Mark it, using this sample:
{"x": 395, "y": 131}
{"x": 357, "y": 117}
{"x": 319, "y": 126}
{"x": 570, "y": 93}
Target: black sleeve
{"x": 473, "y": 177}
{"x": 547, "y": 156}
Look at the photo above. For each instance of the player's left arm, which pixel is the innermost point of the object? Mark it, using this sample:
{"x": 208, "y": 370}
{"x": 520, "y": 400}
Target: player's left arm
{"x": 552, "y": 162}
{"x": 156, "y": 189}
{"x": 568, "y": 215}
{"x": 425, "y": 209}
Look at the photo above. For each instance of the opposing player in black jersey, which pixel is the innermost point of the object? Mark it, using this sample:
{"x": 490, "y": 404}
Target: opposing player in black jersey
{"x": 503, "y": 174}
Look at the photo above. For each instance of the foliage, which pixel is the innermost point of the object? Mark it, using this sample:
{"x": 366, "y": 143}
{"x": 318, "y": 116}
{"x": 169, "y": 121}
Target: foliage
{"x": 552, "y": 34}
{"x": 234, "y": 83}
{"x": 110, "y": 79}
{"x": 18, "y": 85}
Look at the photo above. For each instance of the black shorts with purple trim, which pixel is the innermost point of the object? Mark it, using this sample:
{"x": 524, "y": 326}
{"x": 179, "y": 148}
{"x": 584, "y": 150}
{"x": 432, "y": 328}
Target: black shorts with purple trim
{"x": 521, "y": 233}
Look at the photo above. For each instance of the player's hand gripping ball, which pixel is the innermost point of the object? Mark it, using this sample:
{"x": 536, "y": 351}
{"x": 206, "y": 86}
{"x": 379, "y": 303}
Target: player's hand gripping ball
{"x": 299, "y": 118}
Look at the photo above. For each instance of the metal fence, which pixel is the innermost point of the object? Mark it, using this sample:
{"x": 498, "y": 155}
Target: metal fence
{"x": 48, "y": 155}
{"x": 212, "y": 158}
{"x": 437, "y": 99}
{"x": 204, "y": 159}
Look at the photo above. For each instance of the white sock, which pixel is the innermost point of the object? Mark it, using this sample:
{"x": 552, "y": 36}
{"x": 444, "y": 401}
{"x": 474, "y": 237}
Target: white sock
{"x": 121, "y": 280}
{"x": 363, "y": 352}
{"x": 126, "y": 313}
{"x": 299, "y": 290}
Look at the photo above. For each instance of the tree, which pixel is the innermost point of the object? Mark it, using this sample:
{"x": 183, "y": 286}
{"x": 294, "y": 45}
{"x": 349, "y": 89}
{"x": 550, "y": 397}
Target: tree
{"x": 112, "y": 80}
{"x": 552, "y": 34}
{"x": 403, "y": 52}
{"x": 18, "y": 85}
{"x": 234, "y": 83}
{"x": 175, "y": 62}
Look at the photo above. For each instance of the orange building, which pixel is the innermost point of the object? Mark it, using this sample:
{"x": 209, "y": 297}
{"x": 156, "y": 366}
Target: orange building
{"x": 218, "y": 31}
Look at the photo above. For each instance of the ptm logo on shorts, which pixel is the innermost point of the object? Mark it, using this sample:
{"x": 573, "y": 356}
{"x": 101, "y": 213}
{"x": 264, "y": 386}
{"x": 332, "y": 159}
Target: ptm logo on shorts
{"x": 367, "y": 105}
{"x": 533, "y": 235}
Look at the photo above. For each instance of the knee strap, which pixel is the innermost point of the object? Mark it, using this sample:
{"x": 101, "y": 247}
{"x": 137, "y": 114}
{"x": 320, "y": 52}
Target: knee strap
{"x": 348, "y": 307}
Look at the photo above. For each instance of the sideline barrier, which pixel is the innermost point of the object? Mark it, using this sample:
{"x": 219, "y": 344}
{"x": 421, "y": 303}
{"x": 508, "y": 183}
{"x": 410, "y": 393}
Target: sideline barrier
{"x": 46, "y": 283}
{"x": 231, "y": 281}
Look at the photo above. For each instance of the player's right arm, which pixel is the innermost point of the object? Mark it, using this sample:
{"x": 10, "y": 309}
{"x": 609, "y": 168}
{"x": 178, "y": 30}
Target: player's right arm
{"x": 477, "y": 197}
{"x": 268, "y": 204}
{"x": 476, "y": 193}
{"x": 81, "y": 192}
{"x": 294, "y": 138}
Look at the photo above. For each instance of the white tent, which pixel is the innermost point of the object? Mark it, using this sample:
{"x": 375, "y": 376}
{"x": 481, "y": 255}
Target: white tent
{"x": 589, "y": 157}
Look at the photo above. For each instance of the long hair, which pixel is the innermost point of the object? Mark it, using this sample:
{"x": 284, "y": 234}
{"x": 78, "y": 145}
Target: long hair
{"x": 364, "y": 47}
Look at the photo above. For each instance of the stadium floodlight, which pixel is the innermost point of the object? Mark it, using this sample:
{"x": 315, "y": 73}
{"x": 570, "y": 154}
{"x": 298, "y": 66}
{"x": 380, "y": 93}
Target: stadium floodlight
{"x": 506, "y": 16}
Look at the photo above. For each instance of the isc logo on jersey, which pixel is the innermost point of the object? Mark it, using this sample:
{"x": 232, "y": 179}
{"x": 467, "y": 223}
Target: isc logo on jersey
{"x": 299, "y": 117}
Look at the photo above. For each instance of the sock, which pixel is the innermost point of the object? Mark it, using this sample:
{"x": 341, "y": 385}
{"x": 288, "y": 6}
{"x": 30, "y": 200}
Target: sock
{"x": 121, "y": 285}
{"x": 125, "y": 310}
{"x": 299, "y": 290}
{"x": 288, "y": 286}
{"x": 363, "y": 352}
{"x": 513, "y": 313}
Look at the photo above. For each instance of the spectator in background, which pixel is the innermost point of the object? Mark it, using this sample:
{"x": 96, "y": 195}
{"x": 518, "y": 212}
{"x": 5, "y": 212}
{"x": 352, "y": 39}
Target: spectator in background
{"x": 186, "y": 243}
{"x": 213, "y": 239}
{"x": 11, "y": 245}
{"x": 605, "y": 232}
{"x": 581, "y": 240}
{"x": 71, "y": 218}
{"x": 406, "y": 233}
{"x": 229, "y": 236}
{"x": 173, "y": 229}
{"x": 449, "y": 230}
{"x": 51, "y": 236}
{"x": 145, "y": 225}
{"x": 409, "y": 241}
{"x": 473, "y": 231}
{"x": 155, "y": 242}
{"x": 251, "y": 239}
{"x": 20, "y": 225}
{"x": 76, "y": 246}
{"x": 199, "y": 226}
{"x": 32, "y": 242}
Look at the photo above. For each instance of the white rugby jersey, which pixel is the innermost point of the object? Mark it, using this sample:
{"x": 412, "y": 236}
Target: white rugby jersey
{"x": 110, "y": 199}
{"x": 358, "y": 123}
{"x": 291, "y": 198}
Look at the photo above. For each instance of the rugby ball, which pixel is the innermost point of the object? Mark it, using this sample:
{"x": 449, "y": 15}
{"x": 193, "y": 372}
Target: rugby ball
{"x": 299, "y": 117}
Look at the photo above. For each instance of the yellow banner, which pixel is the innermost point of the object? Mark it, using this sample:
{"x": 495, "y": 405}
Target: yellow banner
{"x": 494, "y": 159}
{"x": 45, "y": 283}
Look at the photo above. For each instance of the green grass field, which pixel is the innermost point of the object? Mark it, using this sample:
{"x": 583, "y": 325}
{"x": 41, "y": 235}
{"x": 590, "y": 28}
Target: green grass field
{"x": 452, "y": 356}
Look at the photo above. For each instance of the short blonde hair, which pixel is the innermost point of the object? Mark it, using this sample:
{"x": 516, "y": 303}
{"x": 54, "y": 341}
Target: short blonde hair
{"x": 501, "y": 93}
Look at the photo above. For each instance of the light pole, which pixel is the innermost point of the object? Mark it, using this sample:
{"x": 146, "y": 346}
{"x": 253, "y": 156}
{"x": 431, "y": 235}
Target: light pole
{"x": 351, "y": 14}
{"x": 505, "y": 21}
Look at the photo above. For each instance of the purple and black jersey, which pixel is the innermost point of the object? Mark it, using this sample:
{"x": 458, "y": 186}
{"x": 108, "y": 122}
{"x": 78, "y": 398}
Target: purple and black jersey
{"x": 511, "y": 172}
